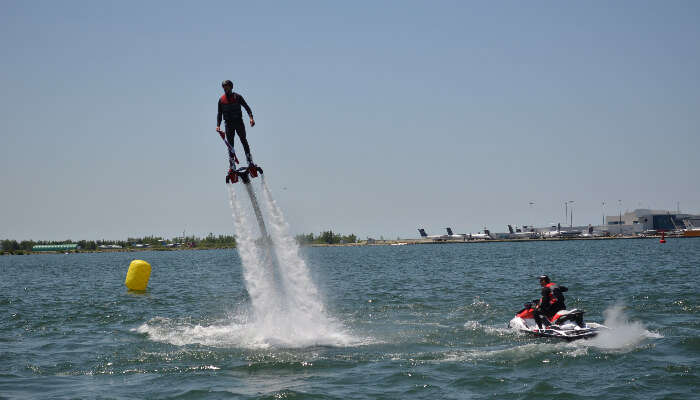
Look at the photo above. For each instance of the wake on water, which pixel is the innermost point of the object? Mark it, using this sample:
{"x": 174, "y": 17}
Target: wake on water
{"x": 623, "y": 333}
{"x": 286, "y": 309}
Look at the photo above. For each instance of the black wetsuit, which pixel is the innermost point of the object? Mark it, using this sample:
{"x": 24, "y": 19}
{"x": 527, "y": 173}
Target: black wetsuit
{"x": 230, "y": 109}
{"x": 552, "y": 301}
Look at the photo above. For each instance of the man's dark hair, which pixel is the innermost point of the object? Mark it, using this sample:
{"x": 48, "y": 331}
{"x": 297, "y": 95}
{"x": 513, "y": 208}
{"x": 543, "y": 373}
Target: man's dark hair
{"x": 545, "y": 278}
{"x": 226, "y": 83}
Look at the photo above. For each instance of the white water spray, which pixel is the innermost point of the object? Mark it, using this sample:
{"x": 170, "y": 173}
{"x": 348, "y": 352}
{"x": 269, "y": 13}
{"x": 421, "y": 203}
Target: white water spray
{"x": 623, "y": 333}
{"x": 257, "y": 266}
{"x": 295, "y": 274}
{"x": 308, "y": 320}
{"x": 286, "y": 306}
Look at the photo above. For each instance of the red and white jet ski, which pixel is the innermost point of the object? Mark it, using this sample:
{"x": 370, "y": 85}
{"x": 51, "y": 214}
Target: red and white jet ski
{"x": 566, "y": 324}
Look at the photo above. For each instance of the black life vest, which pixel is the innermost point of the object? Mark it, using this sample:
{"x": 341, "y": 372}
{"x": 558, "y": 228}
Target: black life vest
{"x": 231, "y": 107}
{"x": 555, "y": 293}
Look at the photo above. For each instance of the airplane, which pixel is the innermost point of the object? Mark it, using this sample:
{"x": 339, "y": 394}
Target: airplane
{"x": 569, "y": 234}
{"x": 436, "y": 238}
{"x": 519, "y": 234}
{"x": 485, "y": 236}
{"x": 461, "y": 236}
{"x": 451, "y": 236}
{"x": 469, "y": 236}
{"x": 551, "y": 234}
{"x": 556, "y": 232}
{"x": 591, "y": 234}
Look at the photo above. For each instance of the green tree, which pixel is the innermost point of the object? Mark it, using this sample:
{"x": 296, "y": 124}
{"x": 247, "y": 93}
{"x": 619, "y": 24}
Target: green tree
{"x": 27, "y": 245}
{"x": 10, "y": 245}
{"x": 328, "y": 237}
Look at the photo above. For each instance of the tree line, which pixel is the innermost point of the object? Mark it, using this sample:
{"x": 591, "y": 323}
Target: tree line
{"x": 325, "y": 237}
{"x": 210, "y": 241}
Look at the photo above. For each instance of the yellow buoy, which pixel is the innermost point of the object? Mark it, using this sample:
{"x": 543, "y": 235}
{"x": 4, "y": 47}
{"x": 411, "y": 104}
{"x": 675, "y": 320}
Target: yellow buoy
{"x": 137, "y": 277}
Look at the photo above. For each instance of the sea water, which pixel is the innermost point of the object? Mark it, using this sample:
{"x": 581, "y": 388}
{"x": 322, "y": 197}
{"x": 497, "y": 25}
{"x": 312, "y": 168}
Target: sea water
{"x": 415, "y": 322}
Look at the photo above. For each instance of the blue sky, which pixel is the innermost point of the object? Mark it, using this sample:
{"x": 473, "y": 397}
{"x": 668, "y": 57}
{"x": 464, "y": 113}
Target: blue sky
{"x": 372, "y": 119}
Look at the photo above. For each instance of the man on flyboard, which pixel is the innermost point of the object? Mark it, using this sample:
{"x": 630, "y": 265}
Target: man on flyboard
{"x": 229, "y": 110}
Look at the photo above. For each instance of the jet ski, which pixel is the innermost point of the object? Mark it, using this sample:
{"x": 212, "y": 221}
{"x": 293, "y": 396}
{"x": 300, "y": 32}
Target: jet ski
{"x": 566, "y": 324}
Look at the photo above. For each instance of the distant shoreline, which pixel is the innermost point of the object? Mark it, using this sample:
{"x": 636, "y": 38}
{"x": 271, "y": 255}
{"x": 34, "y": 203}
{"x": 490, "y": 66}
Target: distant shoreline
{"x": 359, "y": 244}
{"x": 457, "y": 241}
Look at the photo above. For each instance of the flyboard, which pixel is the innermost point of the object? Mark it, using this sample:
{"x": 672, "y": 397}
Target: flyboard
{"x": 244, "y": 174}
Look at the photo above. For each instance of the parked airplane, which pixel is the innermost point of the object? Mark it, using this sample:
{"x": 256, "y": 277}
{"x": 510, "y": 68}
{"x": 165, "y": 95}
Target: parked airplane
{"x": 437, "y": 238}
{"x": 452, "y": 236}
{"x": 556, "y": 232}
{"x": 460, "y": 236}
{"x": 594, "y": 234}
{"x": 469, "y": 236}
{"x": 569, "y": 234}
{"x": 485, "y": 236}
{"x": 519, "y": 234}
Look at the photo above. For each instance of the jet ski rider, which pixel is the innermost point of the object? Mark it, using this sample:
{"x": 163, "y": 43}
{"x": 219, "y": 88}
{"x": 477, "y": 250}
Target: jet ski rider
{"x": 550, "y": 303}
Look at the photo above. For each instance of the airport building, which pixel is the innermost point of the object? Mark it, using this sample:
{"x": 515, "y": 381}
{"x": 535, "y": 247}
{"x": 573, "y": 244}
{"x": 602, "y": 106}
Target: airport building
{"x": 641, "y": 220}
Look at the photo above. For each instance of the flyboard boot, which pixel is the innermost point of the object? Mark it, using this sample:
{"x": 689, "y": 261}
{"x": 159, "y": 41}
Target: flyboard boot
{"x": 244, "y": 173}
{"x": 253, "y": 169}
{"x": 232, "y": 176}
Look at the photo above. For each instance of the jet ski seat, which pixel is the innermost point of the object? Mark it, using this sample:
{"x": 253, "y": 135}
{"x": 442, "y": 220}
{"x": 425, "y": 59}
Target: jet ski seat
{"x": 574, "y": 315}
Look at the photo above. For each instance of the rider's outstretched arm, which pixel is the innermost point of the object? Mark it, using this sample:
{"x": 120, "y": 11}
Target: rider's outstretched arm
{"x": 219, "y": 115}
{"x": 248, "y": 110}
